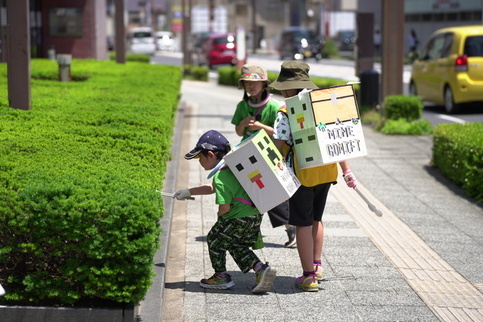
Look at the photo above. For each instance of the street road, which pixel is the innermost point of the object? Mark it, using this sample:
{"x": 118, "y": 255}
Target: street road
{"x": 341, "y": 69}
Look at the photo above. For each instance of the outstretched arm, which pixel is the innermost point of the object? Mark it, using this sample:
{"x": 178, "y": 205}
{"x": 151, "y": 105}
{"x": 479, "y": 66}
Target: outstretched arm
{"x": 183, "y": 194}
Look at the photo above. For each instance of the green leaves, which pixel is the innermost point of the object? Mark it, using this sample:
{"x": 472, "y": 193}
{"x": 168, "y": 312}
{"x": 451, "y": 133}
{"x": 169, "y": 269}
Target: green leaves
{"x": 458, "y": 153}
{"x": 409, "y": 108}
{"x": 78, "y": 209}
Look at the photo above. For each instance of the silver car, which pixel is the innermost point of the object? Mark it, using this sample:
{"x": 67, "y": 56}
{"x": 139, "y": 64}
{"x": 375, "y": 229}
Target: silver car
{"x": 141, "y": 41}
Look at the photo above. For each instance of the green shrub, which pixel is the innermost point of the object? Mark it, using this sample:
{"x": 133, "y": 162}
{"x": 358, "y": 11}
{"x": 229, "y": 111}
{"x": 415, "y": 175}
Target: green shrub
{"x": 372, "y": 118}
{"x": 194, "y": 72}
{"x": 330, "y": 49}
{"x": 365, "y": 108}
{"x": 409, "y": 108}
{"x": 79, "y": 172}
{"x": 403, "y": 127}
{"x": 458, "y": 153}
{"x": 141, "y": 58}
{"x": 47, "y": 69}
{"x": 228, "y": 76}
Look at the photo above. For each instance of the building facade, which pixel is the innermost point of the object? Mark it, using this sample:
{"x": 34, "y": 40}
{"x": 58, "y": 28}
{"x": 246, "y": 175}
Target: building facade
{"x": 82, "y": 27}
{"x": 76, "y": 27}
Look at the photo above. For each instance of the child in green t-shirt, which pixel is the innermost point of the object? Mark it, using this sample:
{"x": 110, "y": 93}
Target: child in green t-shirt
{"x": 257, "y": 110}
{"x": 238, "y": 224}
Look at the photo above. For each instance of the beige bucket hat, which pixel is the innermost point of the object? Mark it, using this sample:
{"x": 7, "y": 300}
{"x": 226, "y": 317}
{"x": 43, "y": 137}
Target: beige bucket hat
{"x": 253, "y": 73}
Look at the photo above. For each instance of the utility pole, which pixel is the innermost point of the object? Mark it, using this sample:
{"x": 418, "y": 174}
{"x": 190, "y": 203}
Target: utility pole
{"x": 154, "y": 16}
{"x": 254, "y": 27}
{"x": 18, "y": 56}
{"x": 186, "y": 46}
{"x": 392, "y": 47}
{"x": 211, "y": 8}
{"x": 120, "y": 42}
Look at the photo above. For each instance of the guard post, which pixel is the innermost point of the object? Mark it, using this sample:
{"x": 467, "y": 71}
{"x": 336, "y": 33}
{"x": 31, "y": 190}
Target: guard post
{"x": 64, "y": 61}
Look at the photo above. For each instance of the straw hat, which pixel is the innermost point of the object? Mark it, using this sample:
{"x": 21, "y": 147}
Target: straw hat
{"x": 293, "y": 75}
{"x": 252, "y": 73}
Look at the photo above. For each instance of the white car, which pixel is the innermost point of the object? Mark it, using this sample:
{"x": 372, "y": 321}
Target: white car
{"x": 141, "y": 41}
{"x": 165, "y": 41}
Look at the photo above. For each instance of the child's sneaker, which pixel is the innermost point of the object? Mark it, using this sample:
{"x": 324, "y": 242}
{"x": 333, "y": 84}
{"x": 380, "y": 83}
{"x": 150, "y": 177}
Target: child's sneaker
{"x": 291, "y": 237}
{"x": 217, "y": 282}
{"x": 265, "y": 277}
{"x": 307, "y": 283}
{"x": 318, "y": 272}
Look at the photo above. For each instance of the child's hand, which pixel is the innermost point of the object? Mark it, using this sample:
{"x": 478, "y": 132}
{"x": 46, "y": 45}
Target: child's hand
{"x": 350, "y": 179}
{"x": 182, "y": 194}
{"x": 254, "y": 125}
{"x": 247, "y": 121}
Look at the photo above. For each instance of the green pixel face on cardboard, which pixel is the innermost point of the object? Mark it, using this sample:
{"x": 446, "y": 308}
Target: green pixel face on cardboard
{"x": 262, "y": 172}
{"x": 325, "y": 126}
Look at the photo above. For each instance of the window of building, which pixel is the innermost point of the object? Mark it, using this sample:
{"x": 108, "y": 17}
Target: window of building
{"x": 65, "y": 21}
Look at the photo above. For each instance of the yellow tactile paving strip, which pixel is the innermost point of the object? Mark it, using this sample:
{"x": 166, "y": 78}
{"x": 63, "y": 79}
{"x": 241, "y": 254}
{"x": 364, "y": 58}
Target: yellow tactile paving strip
{"x": 446, "y": 292}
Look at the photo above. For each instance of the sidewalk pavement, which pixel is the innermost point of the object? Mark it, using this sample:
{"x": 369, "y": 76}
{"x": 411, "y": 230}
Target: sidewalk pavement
{"x": 420, "y": 261}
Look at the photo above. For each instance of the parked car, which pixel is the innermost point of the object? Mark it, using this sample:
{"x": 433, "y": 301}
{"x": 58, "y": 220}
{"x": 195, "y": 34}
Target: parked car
{"x": 300, "y": 43}
{"x": 345, "y": 40}
{"x": 219, "y": 49}
{"x": 141, "y": 40}
{"x": 165, "y": 41}
{"x": 449, "y": 68}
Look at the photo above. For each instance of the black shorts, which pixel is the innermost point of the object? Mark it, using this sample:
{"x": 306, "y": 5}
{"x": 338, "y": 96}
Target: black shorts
{"x": 307, "y": 204}
{"x": 279, "y": 215}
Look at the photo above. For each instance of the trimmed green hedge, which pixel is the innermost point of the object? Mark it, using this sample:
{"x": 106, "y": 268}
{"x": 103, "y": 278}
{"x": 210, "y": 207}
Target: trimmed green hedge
{"x": 193, "y": 72}
{"x": 409, "y": 108}
{"x": 131, "y": 57}
{"x": 458, "y": 153}
{"x": 79, "y": 211}
{"x": 401, "y": 115}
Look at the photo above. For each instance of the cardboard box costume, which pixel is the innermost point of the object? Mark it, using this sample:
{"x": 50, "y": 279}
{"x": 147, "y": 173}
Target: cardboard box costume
{"x": 261, "y": 170}
{"x": 326, "y": 126}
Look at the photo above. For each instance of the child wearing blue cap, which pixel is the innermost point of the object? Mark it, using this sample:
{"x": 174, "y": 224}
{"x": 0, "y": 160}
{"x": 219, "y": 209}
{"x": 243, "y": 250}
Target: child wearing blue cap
{"x": 238, "y": 224}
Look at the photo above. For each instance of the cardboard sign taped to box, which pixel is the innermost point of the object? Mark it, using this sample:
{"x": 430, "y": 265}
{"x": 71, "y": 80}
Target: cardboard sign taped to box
{"x": 262, "y": 172}
{"x": 326, "y": 126}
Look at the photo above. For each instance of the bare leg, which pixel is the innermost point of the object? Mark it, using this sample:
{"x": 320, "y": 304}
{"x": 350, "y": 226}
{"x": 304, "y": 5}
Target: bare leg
{"x": 318, "y": 236}
{"x": 305, "y": 242}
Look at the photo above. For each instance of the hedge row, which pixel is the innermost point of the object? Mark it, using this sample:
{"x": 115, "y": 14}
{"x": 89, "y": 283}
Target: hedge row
{"x": 458, "y": 153}
{"x": 79, "y": 211}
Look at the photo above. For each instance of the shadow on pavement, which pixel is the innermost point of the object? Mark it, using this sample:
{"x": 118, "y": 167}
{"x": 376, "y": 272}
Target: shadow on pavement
{"x": 450, "y": 185}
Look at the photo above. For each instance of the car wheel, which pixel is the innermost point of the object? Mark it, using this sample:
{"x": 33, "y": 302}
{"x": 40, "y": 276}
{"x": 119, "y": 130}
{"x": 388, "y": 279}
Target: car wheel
{"x": 450, "y": 106}
{"x": 412, "y": 89}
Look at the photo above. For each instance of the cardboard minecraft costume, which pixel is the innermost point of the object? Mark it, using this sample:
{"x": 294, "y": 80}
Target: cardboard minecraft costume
{"x": 326, "y": 126}
{"x": 261, "y": 170}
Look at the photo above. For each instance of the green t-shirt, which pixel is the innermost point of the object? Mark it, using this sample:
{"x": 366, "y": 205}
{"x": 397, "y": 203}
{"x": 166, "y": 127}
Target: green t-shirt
{"x": 228, "y": 187}
{"x": 268, "y": 114}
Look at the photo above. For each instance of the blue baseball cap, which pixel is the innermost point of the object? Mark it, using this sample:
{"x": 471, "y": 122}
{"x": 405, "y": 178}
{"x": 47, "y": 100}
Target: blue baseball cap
{"x": 210, "y": 141}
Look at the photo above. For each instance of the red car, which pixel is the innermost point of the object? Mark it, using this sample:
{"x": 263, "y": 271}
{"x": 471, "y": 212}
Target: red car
{"x": 219, "y": 49}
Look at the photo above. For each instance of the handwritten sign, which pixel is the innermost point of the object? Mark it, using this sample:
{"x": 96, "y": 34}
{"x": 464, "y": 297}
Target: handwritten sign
{"x": 325, "y": 125}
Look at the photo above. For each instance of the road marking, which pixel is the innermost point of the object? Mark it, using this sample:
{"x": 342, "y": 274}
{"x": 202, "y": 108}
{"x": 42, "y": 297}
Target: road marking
{"x": 451, "y": 118}
{"x": 445, "y": 291}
